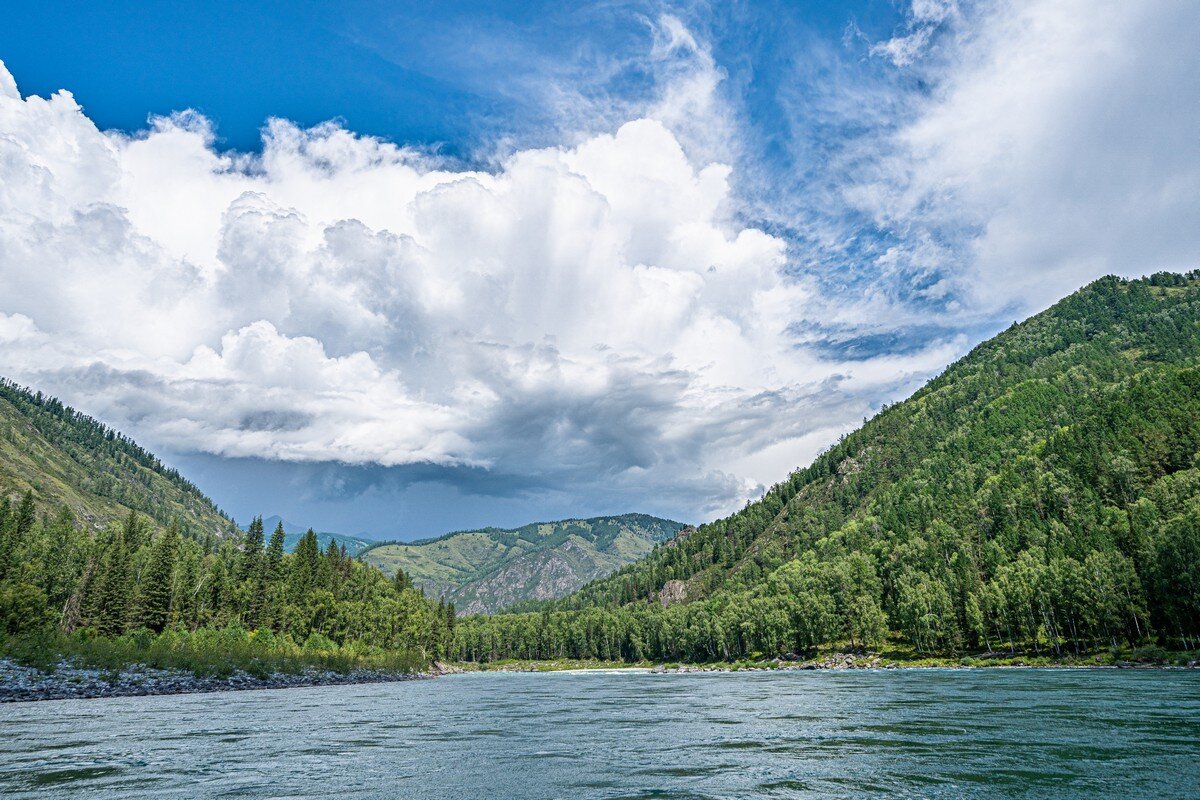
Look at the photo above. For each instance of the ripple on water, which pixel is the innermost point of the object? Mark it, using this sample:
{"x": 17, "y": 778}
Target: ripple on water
{"x": 928, "y": 734}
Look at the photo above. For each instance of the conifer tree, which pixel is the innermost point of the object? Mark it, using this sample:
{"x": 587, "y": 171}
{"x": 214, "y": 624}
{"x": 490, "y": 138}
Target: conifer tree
{"x": 273, "y": 560}
{"x": 16, "y": 527}
{"x": 401, "y": 581}
{"x": 331, "y": 567}
{"x": 155, "y": 589}
{"x": 252, "y": 547}
{"x": 135, "y": 532}
{"x": 305, "y": 567}
{"x": 113, "y": 586}
{"x": 186, "y": 587}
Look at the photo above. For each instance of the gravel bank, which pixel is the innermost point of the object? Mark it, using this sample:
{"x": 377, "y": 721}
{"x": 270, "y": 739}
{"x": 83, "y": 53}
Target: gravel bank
{"x": 23, "y": 684}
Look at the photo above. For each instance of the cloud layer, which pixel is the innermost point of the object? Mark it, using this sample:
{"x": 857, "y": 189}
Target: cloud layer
{"x": 581, "y": 317}
{"x": 653, "y": 312}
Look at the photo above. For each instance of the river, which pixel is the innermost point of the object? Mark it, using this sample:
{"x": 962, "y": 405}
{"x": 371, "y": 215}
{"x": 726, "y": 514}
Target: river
{"x": 998, "y": 733}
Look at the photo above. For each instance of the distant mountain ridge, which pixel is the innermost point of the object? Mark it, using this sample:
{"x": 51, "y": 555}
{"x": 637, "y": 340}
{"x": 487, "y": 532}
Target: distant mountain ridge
{"x": 292, "y": 534}
{"x": 489, "y": 569}
{"x": 69, "y": 459}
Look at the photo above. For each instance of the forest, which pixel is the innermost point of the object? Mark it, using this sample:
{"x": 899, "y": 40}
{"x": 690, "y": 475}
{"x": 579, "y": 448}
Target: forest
{"x": 163, "y": 597}
{"x": 1042, "y": 495}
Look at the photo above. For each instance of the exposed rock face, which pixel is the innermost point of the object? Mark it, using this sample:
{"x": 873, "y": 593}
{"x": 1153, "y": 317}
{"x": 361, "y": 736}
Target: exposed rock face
{"x": 683, "y": 534}
{"x": 539, "y": 576}
{"x": 672, "y": 592}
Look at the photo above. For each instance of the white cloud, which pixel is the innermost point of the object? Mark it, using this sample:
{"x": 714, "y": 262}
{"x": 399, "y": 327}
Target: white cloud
{"x": 924, "y": 17}
{"x": 592, "y": 317}
{"x": 584, "y": 316}
{"x": 1058, "y": 141}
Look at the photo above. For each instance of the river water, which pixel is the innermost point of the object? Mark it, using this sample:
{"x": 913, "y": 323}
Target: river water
{"x": 915, "y": 733}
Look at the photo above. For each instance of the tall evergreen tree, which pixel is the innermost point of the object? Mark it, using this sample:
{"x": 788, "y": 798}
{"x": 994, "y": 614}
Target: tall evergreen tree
{"x": 401, "y": 581}
{"x": 113, "y": 586}
{"x": 252, "y": 548}
{"x": 153, "y": 606}
{"x": 305, "y": 567}
{"x": 273, "y": 559}
{"x": 16, "y": 527}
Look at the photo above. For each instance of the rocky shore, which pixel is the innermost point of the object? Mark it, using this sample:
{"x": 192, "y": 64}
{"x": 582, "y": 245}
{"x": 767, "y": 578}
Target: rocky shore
{"x": 67, "y": 681}
{"x": 832, "y": 661}
{"x": 792, "y": 662}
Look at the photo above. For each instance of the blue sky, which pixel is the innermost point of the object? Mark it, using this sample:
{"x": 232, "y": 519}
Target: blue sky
{"x": 404, "y": 268}
{"x": 451, "y": 75}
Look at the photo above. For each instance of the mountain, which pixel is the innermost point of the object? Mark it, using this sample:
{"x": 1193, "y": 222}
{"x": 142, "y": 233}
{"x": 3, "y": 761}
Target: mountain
{"x": 292, "y": 533}
{"x": 68, "y": 459}
{"x": 1043, "y": 493}
{"x": 493, "y": 568}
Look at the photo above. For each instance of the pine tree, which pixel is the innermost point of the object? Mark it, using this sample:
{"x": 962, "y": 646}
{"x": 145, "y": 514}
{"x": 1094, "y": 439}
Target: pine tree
{"x": 154, "y": 592}
{"x": 186, "y": 588}
{"x": 273, "y": 560}
{"x": 331, "y": 567}
{"x": 15, "y": 527}
{"x": 135, "y": 532}
{"x": 252, "y": 548}
{"x": 305, "y": 567}
{"x": 113, "y": 586}
{"x": 401, "y": 581}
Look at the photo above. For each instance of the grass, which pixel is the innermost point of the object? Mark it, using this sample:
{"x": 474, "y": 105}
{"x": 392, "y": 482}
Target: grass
{"x": 206, "y": 652}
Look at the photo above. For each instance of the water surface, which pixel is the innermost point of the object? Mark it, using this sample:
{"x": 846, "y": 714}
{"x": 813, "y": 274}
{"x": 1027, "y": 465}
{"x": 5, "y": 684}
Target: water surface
{"x": 919, "y": 734}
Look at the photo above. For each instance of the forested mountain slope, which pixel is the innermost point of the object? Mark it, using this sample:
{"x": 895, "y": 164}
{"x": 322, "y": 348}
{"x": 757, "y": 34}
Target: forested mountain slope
{"x": 70, "y": 460}
{"x": 492, "y": 568}
{"x": 1043, "y": 492}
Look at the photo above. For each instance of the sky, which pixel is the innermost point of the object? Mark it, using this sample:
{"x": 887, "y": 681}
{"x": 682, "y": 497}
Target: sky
{"x": 399, "y": 269}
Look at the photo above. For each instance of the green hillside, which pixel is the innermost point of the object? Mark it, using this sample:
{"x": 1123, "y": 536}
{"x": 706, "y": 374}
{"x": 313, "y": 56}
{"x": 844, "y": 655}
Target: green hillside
{"x": 67, "y": 459}
{"x": 489, "y": 569}
{"x": 1042, "y": 494}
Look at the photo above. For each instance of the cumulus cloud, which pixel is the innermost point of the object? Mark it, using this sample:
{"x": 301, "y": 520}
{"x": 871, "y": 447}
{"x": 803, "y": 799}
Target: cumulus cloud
{"x": 587, "y": 317}
{"x": 597, "y": 318}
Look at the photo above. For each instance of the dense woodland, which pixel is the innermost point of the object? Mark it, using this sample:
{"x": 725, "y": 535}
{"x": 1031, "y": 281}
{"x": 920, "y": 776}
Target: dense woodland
{"x": 1041, "y": 495}
{"x": 160, "y": 586}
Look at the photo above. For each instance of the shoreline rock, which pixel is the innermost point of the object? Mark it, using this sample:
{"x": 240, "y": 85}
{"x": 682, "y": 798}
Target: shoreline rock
{"x": 832, "y": 661}
{"x": 20, "y": 684}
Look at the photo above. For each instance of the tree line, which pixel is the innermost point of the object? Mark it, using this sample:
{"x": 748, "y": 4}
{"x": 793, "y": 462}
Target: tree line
{"x": 1041, "y": 495}
{"x": 56, "y": 575}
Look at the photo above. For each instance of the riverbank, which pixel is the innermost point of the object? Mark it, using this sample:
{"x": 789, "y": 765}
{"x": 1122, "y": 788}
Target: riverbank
{"x": 1134, "y": 659}
{"x": 66, "y": 681}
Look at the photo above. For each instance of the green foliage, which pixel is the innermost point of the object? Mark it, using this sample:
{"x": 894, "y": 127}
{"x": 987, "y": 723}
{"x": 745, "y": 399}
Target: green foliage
{"x": 23, "y": 609}
{"x": 1042, "y": 494}
{"x": 206, "y": 652}
{"x": 132, "y": 593}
